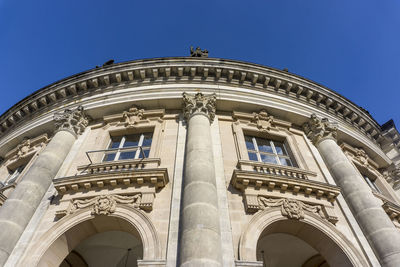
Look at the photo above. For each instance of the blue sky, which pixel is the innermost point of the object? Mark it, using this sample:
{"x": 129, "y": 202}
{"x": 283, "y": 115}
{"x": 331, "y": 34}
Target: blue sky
{"x": 352, "y": 47}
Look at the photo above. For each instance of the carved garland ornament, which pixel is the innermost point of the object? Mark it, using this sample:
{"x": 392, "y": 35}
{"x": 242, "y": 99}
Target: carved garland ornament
{"x": 74, "y": 121}
{"x": 318, "y": 129}
{"x": 291, "y": 208}
{"x": 102, "y": 205}
{"x": 199, "y": 103}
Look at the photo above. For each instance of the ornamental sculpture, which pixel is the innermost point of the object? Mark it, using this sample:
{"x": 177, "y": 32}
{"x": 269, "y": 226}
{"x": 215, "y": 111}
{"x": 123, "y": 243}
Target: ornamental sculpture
{"x": 23, "y": 148}
{"x": 101, "y": 205}
{"x": 361, "y": 156}
{"x": 199, "y": 103}
{"x": 291, "y": 208}
{"x": 132, "y": 116}
{"x": 263, "y": 120}
{"x": 318, "y": 129}
{"x": 198, "y": 52}
{"x": 74, "y": 121}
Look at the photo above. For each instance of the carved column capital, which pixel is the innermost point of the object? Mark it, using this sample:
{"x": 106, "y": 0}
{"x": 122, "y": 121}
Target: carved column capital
{"x": 74, "y": 121}
{"x": 199, "y": 103}
{"x": 319, "y": 129}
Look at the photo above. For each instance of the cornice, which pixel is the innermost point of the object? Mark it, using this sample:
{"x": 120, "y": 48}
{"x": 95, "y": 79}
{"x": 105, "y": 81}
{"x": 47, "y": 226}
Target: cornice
{"x": 196, "y": 70}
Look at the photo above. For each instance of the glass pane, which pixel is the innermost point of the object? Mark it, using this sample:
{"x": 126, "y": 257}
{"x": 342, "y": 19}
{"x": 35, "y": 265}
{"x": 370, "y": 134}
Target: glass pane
{"x": 268, "y": 158}
{"x": 131, "y": 140}
{"x": 127, "y": 155}
{"x": 264, "y": 145}
{"x": 285, "y": 161}
{"x": 253, "y": 156}
{"x": 109, "y": 157}
{"x": 145, "y": 152}
{"x": 249, "y": 143}
{"x": 147, "y": 139}
{"x": 280, "y": 148}
{"x": 115, "y": 141}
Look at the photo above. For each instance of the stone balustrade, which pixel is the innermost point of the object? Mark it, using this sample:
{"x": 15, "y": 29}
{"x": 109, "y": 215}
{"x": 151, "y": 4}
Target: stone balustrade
{"x": 273, "y": 169}
{"x": 120, "y": 165}
{"x": 109, "y": 177}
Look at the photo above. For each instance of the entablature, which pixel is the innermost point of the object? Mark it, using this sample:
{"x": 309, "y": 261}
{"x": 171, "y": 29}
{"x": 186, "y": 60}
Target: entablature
{"x": 201, "y": 70}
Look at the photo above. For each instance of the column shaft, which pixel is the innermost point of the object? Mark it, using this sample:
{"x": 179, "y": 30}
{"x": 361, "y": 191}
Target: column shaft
{"x": 376, "y": 225}
{"x": 20, "y": 206}
{"x": 200, "y": 233}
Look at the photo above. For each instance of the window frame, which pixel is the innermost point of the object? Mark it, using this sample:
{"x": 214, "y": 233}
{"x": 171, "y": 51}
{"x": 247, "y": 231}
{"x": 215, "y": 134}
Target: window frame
{"x": 272, "y": 143}
{"x": 121, "y": 149}
{"x": 371, "y": 183}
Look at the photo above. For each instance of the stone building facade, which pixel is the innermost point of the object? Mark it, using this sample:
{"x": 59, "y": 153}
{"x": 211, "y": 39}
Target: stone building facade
{"x": 196, "y": 161}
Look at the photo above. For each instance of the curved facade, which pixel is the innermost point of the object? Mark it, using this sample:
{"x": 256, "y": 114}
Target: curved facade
{"x": 196, "y": 161}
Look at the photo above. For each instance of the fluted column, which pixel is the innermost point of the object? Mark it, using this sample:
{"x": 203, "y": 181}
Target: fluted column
{"x": 200, "y": 241}
{"x": 379, "y": 230}
{"x": 18, "y": 209}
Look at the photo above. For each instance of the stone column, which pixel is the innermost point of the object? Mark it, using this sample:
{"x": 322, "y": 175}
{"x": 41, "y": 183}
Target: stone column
{"x": 200, "y": 238}
{"x": 379, "y": 230}
{"x": 18, "y": 209}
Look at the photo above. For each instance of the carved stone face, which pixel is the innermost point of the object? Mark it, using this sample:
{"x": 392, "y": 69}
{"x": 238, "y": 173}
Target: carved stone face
{"x": 104, "y": 203}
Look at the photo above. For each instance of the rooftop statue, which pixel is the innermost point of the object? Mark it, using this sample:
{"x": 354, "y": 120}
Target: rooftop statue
{"x": 198, "y": 52}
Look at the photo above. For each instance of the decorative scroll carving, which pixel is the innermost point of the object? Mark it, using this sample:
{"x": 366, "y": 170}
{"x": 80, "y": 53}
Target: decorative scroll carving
{"x": 199, "y": 103}
{"x": 291, "y": 208}
{"x": 318, "y": 129}
{"x": 263, "y": 120}
{"x": 132, "y": 116}
{"x": 101, "y": 205}
{"x": 74, "y": 121}
{"x": 198, "y": 52}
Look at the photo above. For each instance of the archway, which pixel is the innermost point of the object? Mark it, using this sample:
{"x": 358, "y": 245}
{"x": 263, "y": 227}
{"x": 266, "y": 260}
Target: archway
{"x": 81, "y": 232}
{"x": 279, "y": 241}
{"x": 102, "y": 241}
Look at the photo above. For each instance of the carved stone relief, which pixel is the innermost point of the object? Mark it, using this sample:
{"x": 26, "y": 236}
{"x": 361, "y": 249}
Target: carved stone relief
{"x": 263, "y": 120}
{"x": 102, "y": 205}
{"x": 74, "y": 121}
{"x": 132, "y": 116}
{"x": 294, "y": 209}
{"x": 199, "y": 103}
{"x": 318, "y": 129}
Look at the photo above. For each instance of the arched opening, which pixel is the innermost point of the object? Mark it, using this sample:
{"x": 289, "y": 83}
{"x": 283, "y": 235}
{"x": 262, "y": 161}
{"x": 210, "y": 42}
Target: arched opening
{"x": 295, "y": 243}
{"x": 101, "y": 241}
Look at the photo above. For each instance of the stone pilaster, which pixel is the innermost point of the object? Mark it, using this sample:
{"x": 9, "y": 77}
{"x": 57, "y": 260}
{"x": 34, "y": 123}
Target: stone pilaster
{"x": 376, "y": 225}
{"x": 22, "y": 203}
{"x": 200, "y": 238}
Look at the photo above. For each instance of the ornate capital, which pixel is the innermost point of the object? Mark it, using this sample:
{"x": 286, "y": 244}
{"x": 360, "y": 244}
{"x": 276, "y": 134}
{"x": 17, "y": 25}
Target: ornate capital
{"x": 199, "y": 103}
{"x": 319, "y": 129}
{"x": 74, "y": 121}
{"x": 392, "y": 176}
{"x": 263, "y": 120}
{"x": 132, "y": 116}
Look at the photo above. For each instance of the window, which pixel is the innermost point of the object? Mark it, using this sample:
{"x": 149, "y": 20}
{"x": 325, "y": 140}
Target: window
{"x": 135, "y": 146}
{"x": 268, "y": 151}
{"x": 371, "y": 184}
{"x": 13, "y": 175}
